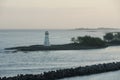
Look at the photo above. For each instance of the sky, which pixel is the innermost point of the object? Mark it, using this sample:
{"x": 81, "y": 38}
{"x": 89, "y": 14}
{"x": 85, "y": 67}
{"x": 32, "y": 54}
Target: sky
{"x": 59, "y": 14}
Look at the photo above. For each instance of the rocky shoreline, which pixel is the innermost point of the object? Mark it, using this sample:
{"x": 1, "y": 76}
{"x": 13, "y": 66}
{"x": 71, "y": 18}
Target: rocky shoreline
{"x": 71, "y": 46}
{"x": 71, "y": 72}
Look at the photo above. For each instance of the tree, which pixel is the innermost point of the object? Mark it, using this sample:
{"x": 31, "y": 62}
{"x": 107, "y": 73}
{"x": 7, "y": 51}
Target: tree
{"x": 117, "y": 36}
{"x": 89, "y": 41}
{"x": 92, "y": 41}
{"x": 109, "y": 37}
{"x": 79, "y": 39}
{"x": 73, "y": 40}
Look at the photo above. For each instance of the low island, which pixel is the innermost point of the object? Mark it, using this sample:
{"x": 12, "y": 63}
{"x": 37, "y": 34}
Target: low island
{"x": 78, "y": 43}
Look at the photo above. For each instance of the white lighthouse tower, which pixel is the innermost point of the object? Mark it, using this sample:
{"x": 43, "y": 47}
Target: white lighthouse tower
{"x": 46, "y": 42}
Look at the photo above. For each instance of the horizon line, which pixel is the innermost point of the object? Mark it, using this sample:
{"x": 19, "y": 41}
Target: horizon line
{"x": 58, "y": 29}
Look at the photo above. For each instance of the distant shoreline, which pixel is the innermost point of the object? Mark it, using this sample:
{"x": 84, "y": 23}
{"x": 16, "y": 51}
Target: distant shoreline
{"x": 97, "y": 28}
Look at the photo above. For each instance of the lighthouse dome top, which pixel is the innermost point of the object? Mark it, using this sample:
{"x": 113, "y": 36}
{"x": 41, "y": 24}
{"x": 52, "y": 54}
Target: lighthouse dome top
{"x": 46, "y": 33}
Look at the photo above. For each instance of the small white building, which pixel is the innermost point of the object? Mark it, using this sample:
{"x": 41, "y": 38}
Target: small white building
{"x": 46, "y": 41}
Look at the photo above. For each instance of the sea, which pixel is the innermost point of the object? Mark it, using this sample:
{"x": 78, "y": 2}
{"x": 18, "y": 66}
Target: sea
{"x": 36, "y": 62}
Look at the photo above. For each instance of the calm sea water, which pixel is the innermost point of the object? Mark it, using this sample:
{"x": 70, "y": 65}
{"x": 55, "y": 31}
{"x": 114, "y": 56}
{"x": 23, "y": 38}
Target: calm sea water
{"x": 36, "y": 62}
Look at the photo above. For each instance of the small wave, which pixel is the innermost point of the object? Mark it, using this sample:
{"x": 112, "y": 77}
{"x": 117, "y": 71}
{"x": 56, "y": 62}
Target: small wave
{"x": 31, "y": 68}
{"x": 7, "y": 51}
{"x": 2, "y": 50}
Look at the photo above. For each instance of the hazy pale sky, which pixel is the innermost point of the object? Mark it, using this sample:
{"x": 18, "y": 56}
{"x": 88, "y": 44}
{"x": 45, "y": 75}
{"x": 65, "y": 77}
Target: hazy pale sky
{"x": 59, "y": 14}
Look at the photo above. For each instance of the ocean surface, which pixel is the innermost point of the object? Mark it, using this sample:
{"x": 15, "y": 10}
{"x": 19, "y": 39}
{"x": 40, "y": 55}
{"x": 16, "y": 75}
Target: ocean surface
{"x": 37, "y": 62}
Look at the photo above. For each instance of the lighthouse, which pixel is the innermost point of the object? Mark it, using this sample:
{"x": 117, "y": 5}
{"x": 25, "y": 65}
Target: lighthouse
{"x": 46, "y": 41}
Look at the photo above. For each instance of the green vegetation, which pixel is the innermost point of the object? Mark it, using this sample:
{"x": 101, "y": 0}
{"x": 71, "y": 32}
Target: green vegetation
{"x": 108, "y": 37}
{"x": 88, "y": 41}
{"x": 113, "y": 36}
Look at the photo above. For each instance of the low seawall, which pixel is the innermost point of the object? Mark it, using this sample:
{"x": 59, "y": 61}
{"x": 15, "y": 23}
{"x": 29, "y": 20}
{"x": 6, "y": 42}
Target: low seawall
{"x": 71, "y": 72}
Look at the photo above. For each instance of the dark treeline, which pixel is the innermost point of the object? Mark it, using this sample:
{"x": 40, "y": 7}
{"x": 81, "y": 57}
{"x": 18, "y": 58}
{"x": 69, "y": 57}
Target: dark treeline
{"x": 89, "y": 41}
{"x": 71, "y": 72}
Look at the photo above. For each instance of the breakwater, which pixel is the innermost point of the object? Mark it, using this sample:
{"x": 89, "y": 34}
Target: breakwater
{"x": 71, "y": 72}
